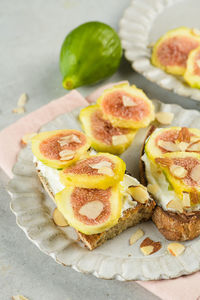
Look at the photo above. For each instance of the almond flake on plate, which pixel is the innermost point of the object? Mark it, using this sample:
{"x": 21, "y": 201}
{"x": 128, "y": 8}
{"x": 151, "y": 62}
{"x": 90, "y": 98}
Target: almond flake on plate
{"x": 91, "y": 209}
{"x": 119, "y": 139}
{"x": 19, "y": 297}
{"x": 19, "y": 110}
{"x": 195, "y": 173}
{"x": 178, "y": 171}
{"x": 128, "y": 102}
{"x": 27, "y": 138}
{"x": 149, "y": 247}
{"x": 175, "y": 249}
{"x": 136, "y": 236}
{"x": 22, "y": 100}
{"x": 164, "y": 118}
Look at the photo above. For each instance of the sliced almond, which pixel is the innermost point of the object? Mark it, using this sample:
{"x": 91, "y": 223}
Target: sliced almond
{"x": 198, "y": 63}
{"x": 19, "y": 297}
{"x": 164, "y": 118}
{"x": 136, "y": 236}
{"x": 164, "y": 161}
{"x": 139, "y": 193}
{"x": 182, "y": 146}
{"x": 194, "y": 197}
{"x": 175, "y": 249}
{"x": 106, "y": 171}
{"x": 178, "y": 171}
{"x": 22, "y": 100}
{"x": 91, "y": 209}
{"x": 195, "y": 173}
{"x": 67, "y": 157}
{"x": 175, "y": 205}
{"x": 153, "y": 188}
{"x": 169, "y": 146}
{"x": 119, "y": 139}
{"x": 194, "y": 138}
{"x": 72, "y": 138}
{"x": 196, "y": 31}
{"x": 186, "y": 199}
{"x": 194, "y": 146}
{"x": 19, "y": 110}
{"x": 149, "y": 247}
{"x": 184, "y": 135}
{"x": 66, "y": 152}
{"x": 127, "y": 101}
{"x": 27, "y": 138}
{"x": 59, "y": 219}
{"x": 100, "y": 165}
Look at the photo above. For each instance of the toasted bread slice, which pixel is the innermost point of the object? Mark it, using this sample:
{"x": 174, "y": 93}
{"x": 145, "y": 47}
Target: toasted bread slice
{"x": 174, "y": 226}
{"x": 130, "y": 217}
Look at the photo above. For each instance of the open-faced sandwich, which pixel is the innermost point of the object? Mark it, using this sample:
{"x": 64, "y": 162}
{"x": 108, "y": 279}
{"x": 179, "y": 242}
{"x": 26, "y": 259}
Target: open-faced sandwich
{"x": 90, "y": 189}
{"x": 170, "y": 167}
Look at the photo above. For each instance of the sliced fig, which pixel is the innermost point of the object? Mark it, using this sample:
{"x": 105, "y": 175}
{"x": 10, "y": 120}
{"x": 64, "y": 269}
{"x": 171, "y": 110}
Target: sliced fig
{"x": 90, "y": 211}
{"x": 97, "y": 171}
{"x": 183, "y": 172}
{"x": 173, "y": 139}
{"x": 171, "y": 51}
{"x": 104, "y": 136}
{"x": 59, "y": 148}
{"x": 192, "y": 72}
{"x": 115, "y": 104}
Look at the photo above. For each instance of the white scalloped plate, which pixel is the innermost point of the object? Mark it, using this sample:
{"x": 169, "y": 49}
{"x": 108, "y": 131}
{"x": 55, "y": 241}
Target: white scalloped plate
{"x": 115, "y": 259}
{"x": 143, "y": 23}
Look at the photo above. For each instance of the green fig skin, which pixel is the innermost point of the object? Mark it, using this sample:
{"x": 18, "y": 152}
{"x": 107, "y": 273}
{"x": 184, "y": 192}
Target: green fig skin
{"x": 90, "y": 52}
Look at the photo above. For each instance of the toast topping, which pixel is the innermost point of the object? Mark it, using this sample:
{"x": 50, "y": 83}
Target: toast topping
{"x": 127, "y": 101}
{"x": 178, "y": 171}
{"x": 139, "y": 193}
{"x": 194, "y": 197}
{"x": 175, "y": 205}
{"x": 91, "y": 209}
{"x": 186, "y": 199}
{"x": 168, "y": 146}
{"x": 194, "y": 147}
{"x": 164, "y": 118}
{"x": 149, "y": 247}
{"x": 66, "y": 154}
{"x": 136, "y": 236}
{"x": 195, "y": 173}
{"x": 103, "y": 167}
{"x": 175, "y": 249}
{"x": 152, "y": 188}
{"x": 106, "y": 171}
{"x": 164, "y": 161}
{"x": 66, "y": 140}
{"x": 119, "y": 139}
{"x": 59, "y": 219}
{"x": 184, "y": 135}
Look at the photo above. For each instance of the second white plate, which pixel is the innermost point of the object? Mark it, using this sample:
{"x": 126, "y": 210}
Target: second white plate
{"x": 143, "y": 23}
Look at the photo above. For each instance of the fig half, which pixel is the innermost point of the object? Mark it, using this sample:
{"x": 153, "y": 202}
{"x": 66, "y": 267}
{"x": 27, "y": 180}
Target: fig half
{"x": 171, "y": 51}
{"x": 90, "y": 211}
{"x": 126, "y": 106}
{"x": 192, "y": 73}
{"x": 103, "y": 135}
{"x": 59, "y": 148}
{"x": 96, "y": 171}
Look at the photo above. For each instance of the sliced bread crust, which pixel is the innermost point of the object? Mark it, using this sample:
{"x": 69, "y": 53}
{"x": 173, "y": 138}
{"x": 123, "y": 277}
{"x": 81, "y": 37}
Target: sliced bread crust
{"x": 131, "y": 217}
{"x": 174, "y": 226}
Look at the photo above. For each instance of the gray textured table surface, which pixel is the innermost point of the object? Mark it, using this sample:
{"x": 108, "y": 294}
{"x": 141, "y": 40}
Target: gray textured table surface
{"x": 31, "y": 35}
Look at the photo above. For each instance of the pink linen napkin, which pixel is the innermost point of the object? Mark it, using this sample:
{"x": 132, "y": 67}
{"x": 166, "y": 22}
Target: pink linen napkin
{"x": 183, "y": 288}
